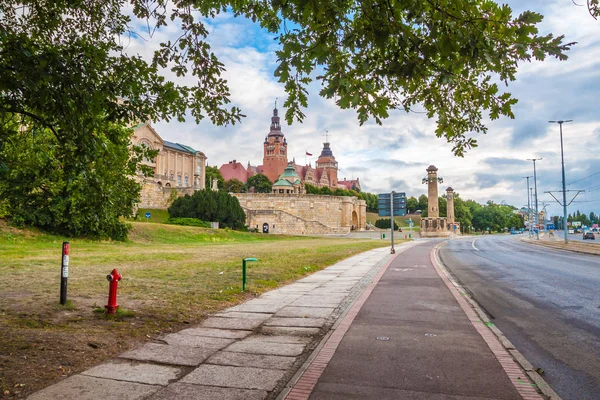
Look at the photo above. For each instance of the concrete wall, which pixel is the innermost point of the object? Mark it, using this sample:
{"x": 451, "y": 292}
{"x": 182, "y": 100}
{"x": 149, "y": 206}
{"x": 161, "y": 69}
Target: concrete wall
{"x": 307, "y": 214}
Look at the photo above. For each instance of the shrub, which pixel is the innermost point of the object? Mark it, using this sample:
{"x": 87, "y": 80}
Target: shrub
{"x": 208, "y": 205}
{"x": 383, "y": 223}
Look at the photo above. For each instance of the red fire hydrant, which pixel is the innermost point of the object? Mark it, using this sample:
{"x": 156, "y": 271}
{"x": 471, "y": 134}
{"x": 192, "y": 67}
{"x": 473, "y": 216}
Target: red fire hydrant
{"x": 114, "y": 277}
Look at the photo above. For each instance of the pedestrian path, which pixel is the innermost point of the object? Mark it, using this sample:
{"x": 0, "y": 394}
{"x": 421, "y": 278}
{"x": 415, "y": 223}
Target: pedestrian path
{"x": 411, "y": 336}
{"x": 246, "y": 352}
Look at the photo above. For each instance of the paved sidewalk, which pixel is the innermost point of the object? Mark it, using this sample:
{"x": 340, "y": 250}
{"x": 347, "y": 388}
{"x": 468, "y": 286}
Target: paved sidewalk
{"x": 246, "y": 352}
{"x": 412, "y": 336}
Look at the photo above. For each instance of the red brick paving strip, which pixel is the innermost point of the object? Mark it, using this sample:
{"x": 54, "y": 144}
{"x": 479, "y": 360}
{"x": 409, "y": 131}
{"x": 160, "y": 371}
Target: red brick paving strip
{"x": 307, "y": 382}
{"x": 518, "y": 377}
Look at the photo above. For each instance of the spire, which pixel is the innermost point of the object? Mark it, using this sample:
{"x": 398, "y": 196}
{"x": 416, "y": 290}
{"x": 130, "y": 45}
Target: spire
{"x": 275, "y": 125}
{"x": 326, "y": 152}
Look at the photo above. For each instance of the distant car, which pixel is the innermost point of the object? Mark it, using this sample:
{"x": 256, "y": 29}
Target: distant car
{"x": 589, "y": 235}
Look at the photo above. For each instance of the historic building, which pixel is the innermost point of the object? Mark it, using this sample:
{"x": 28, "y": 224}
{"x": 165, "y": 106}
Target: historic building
{"x": 303, "y": 214}
{"x": 289, "y": 182}
{"x": 275, "y": 162}
{"x": 177, "y": 166}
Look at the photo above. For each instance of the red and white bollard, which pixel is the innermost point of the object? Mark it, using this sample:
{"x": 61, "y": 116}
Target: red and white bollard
{"x": 114, "y": 277}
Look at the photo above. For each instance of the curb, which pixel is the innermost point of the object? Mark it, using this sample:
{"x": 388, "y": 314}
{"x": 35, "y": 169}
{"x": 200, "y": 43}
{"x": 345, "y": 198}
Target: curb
{"x": 507, "y": 347}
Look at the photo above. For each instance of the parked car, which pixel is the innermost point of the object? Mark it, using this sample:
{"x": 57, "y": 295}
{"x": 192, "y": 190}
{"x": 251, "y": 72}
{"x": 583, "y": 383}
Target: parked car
{"x": 589, "y": 235}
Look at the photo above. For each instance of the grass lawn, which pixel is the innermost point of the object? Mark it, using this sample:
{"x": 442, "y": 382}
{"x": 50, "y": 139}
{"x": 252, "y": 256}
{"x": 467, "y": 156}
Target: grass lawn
{"x": 156, "y": 216}
{"x": 172, "y": 276}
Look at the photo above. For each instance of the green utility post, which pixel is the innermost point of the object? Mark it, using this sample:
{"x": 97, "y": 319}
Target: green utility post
{"x": 244, "y": 271}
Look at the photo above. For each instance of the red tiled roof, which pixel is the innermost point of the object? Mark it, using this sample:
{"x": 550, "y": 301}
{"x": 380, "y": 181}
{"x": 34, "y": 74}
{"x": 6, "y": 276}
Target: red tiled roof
{"x": 349, "y": 184}
{"x": 301, "y": 170}
{"x": 234, "y": 170}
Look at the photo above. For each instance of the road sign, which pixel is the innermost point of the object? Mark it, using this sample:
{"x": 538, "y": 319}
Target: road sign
{"x": 147, "y": 215}
{"x": 386, "y": 201}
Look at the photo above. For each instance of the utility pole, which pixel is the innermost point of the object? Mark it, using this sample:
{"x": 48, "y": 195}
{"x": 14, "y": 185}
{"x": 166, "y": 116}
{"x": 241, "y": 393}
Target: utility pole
{"x": 531, "y": 220}
{"x": 562, "y": 159}
{"x": 537, "y": 216}
{"x": 528, "y": 205}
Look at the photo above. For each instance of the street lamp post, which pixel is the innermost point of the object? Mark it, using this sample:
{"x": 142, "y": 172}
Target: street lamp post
{"x": 531, "y": 199}
{"x": 564, "y": 190}
{"x": 528, "y": 205}
{"x": 537, "y": 216}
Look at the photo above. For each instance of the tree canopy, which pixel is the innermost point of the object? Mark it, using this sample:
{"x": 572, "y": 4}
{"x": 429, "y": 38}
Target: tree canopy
{"x": 65, "y": 69}
{"x": 235, "y": 186}
{"x": 259, "y": 183}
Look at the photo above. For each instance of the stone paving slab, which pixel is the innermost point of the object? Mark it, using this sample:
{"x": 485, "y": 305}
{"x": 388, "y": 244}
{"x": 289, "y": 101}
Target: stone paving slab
{"x": 252, "y": 360}
{"x": 305, "y": 312}
{"x": 83, "y": 387}
{"x": 184, "y": 391}
{"x": 244, "y": 315}
{"x": 278, "y": 294}
{"x": 278, "y": 339}
{"x": 231, "y": 323}
{"x": 268, "y": 308}
{"x": 282, "y": 330}
{"x": 170, "y": 354}
{"x": 326, "y": 297}
{"x": 215, "y": 332}
{"x": 314, "y": 301}
{"x": 329, "y": 290}
{"x": 297, "y": 322}
{"x": 268, "y": 348}
{"x": 196, "y": 341}
{"x": 149, "y": 374}
{"x": 234, "y": 377}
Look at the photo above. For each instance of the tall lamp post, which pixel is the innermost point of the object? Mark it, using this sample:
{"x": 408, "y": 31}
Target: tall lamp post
{"x": 564, "y": 190}
{"x": 537, "y": 216}
{"x": 528, "y": 205}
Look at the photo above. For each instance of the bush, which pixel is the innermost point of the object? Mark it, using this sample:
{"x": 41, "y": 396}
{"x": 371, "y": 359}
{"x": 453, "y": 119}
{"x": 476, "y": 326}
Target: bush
{"x": 208, "y": 205}
{"x": 189, "y": 222}
{"x": 383, "y": 223}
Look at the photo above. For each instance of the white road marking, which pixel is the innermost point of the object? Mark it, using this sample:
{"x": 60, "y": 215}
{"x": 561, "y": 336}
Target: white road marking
{"x": 473, "y": 244}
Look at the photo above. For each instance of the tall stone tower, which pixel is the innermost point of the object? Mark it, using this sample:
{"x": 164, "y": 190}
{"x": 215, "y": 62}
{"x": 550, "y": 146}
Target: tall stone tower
{"x": 327, "y": 163}
{"x": 450, "y": 205}
{"x": 275, "y": 150}
{"x": 433, "y": 209}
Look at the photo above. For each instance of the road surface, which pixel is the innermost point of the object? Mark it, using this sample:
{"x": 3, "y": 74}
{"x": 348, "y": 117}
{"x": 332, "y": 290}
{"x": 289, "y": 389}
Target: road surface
{"x": 546, "y": 301}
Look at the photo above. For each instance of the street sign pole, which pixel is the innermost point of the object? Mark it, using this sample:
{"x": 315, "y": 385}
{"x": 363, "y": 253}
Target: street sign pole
{"x": 392, "y": 251}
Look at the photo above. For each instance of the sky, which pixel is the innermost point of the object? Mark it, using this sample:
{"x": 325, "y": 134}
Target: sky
{"x": 394, "y": 156}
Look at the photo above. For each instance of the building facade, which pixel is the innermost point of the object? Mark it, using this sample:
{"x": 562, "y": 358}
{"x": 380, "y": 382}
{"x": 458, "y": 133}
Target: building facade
{"x": 176, "y": 167}
{"x": 275, "y": 162}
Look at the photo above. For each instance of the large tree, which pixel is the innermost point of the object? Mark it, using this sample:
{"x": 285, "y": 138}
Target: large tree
{"x": 259, "y": 183}
{"x": 64, "y": 67}
{"x": 235, "y": 186}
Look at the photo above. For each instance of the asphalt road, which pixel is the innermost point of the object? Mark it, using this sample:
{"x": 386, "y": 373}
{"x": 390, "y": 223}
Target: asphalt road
{"x": 547, "y": 302}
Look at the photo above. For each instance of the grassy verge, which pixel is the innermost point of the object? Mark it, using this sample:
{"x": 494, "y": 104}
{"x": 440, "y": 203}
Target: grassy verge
{"x": 173, "y": 276}
{"x": 156, "y": 216}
